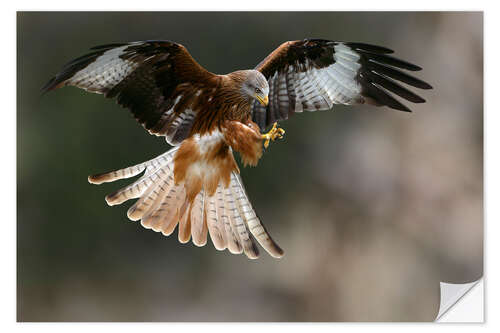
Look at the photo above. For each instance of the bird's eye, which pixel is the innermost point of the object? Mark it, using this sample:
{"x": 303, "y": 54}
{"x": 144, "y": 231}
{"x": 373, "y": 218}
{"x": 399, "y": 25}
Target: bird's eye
{"x": 257, "y": 90}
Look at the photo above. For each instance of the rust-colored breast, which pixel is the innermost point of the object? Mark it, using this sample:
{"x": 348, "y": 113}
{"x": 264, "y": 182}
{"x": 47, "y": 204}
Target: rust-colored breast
{"x": 223, "y": 101}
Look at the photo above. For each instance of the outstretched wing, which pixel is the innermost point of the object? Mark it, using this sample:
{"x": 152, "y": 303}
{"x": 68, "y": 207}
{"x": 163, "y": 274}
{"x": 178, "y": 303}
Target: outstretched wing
{"x": 158, "y": 81}
{"x": 315, "y": 74}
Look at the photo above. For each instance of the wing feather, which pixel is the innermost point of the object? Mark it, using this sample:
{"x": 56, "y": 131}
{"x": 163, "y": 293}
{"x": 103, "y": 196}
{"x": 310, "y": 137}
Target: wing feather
{"x": 158, "y": 81}
{"x": 320, "y": 73}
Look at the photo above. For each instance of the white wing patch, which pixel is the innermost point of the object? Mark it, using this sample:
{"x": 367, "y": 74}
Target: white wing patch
{"x": 105, "y": 72}
{"x": 313, "y": 90}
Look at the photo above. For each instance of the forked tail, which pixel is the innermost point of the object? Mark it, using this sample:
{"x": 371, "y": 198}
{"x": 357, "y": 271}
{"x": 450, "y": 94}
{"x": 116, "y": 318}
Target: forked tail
{"x": 227, "y": 215}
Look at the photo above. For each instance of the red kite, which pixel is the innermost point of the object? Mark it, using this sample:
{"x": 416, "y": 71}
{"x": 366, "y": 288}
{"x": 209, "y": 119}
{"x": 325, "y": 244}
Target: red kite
{"x": 206, "y": 116}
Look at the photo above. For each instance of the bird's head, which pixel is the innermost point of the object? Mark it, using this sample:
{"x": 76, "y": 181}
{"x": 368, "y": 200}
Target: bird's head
{"x": 255, "y": 86}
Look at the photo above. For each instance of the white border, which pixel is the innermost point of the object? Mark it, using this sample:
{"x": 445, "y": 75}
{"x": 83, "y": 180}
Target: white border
{"x": 492, "y": 165}
{"x": 254, "y": 5}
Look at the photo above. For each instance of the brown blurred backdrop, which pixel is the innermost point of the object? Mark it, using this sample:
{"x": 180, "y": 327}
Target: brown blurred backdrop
{"x": 373, "y": 207}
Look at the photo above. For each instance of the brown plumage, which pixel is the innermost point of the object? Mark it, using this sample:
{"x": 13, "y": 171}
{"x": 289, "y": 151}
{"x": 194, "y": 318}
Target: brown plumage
{"x": 196, "y": 185}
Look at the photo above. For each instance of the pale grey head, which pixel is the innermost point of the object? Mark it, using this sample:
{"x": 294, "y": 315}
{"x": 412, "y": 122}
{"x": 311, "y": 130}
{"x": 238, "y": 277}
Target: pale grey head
{"x": 255, "y": 86}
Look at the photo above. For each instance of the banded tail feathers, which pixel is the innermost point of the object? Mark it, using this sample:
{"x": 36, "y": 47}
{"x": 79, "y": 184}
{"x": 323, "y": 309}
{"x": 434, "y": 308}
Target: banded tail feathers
{"x": 226, "y": 215}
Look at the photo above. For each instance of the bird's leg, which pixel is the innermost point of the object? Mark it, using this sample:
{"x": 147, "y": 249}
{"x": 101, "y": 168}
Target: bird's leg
{"x": 273, "y": 134}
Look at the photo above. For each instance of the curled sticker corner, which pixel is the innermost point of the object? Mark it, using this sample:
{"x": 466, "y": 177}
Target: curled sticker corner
{"x": 451, "y": 293}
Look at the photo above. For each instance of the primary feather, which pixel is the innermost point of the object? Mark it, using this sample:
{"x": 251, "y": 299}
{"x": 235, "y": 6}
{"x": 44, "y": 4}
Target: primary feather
{"x": 315, "y": 74}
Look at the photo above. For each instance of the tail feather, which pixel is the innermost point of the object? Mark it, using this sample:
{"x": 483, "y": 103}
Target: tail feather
{"x": 216, "y": 231}
{"x": 253, "y": 222}
{"x": 151, "y": 166}
{"x": 238, "y": 223}
{"x": 136, "y": 189}
{"x": 166, "y": 217}
{"x": 198, "y": 220}
{"x": 227, "y": 215}
{"x": 185, "y": 222}
{"x": 233, "y": 244}
{"x": 148, "y": 220}
{"x": 146, "y": 201}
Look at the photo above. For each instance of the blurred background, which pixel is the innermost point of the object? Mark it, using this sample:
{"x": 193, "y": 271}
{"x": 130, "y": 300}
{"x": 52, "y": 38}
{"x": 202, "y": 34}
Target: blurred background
{"x": 373, "y": 207}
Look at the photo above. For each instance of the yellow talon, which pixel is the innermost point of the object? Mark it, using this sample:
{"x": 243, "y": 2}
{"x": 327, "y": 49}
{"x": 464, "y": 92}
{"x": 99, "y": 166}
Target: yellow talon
{"x": 274, "y": 133}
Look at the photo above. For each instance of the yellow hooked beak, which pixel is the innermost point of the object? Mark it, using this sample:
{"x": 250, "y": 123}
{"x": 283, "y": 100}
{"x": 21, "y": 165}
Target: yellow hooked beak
{"x": 264, "y": 101}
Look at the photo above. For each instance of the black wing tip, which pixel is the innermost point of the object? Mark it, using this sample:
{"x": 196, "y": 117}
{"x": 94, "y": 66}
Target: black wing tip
{"x": 384, "y": 59}
{"x": 400, "y": 107}
{"x": 56, "y": 82}
{"x": 426, "y": 86}
{"x": 375, "y": 94}
{"x": 393, "y": 73}
{"x": 389, "y": 83}
{"x": 397, "y": 106}
{"x": 355, "y": 45}
{"x": 114, "y": 45}
{"x": 414, "y": 68}
{"x": 378, "y": 54}
{"x": 52, "y": 84}
{"x": 48, "y": 86}
{"x": 108, "y": 46}
{"x": 420, "y": 100}
{"x": 388, "y": 65}
{"x": 70, "y": 68}
{"x": 379, "y": 96}
{"x": 369, "y": 47}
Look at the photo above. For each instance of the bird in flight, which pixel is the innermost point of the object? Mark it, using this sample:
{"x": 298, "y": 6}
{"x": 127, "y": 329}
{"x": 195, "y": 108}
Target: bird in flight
{"x": 196, "y": 184}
